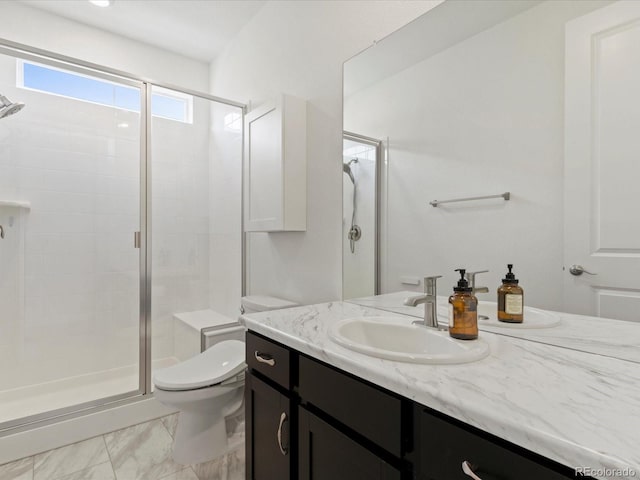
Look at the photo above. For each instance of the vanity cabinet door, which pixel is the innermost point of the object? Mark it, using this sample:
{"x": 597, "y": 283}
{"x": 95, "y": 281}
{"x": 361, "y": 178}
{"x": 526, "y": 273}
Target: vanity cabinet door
{"x": 443, "y": 446}
{"x": 327, "y": 454}
{"x": 268, "y": 426}
{"x": 373, "y": 413}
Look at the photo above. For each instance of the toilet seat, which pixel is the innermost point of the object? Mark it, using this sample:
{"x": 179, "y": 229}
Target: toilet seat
{"x": 218, "y": 364}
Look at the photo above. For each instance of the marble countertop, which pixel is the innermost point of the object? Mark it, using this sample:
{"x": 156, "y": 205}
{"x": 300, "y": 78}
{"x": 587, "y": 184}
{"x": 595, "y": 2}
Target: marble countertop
{"x": 602, "y": 336}
{"x": 579, "y": 409}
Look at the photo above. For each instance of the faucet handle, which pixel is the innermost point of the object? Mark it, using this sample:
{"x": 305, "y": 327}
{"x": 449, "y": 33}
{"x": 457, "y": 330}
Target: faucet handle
{"x": 470, "y": 275}
{"x": 471, "y": 278}
{"x": 430, "y": 284}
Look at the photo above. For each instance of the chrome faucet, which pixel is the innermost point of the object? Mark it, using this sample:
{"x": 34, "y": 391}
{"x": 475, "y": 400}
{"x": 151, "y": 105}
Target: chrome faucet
{"x": 471, "y": 278}
{"x": 429, "y": 300}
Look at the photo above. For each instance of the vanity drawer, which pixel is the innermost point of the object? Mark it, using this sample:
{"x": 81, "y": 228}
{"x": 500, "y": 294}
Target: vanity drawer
{"x": 268, "y": 358}
{"x": 443, "y": 446}
{"x": 372, "y": 413}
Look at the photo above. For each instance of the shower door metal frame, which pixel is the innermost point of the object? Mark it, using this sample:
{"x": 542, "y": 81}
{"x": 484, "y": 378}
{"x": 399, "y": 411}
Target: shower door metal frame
{"x": 377, "y": 217}
{"x": 145, "y": 85}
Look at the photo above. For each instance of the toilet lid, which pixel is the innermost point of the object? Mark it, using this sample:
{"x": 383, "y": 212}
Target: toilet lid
{"x": 216, "y": 364}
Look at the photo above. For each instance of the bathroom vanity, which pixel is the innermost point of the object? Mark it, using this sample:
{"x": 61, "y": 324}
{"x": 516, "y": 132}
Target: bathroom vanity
{"x": 527, "y": 411}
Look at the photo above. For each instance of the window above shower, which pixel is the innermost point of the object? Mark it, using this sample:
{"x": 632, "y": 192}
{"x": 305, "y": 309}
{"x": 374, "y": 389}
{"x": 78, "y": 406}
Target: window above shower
{"x": 166, "y": 104}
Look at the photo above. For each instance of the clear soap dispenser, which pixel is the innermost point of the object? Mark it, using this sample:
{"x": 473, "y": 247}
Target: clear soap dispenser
{"x": 463, "y": 310}
{"x": 510, "y": 299}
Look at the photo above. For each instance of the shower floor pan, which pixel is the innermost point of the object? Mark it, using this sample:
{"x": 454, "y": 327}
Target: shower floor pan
{"x": 44, "y": 397}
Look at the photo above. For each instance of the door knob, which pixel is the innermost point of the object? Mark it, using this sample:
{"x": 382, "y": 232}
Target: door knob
{"x": 578, "y": 270}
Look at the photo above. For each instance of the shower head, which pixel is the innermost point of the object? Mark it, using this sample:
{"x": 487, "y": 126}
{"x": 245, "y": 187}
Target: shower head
{"x": 8, "y": 107}
{"x": 346, "y": 168}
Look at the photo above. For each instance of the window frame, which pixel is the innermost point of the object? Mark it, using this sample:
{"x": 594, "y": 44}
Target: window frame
{"x": 184, "y": 98}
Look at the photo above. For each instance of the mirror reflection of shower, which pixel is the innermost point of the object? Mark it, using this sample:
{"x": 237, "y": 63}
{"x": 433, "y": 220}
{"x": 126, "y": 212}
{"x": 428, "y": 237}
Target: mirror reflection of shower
{"x": 355, "y": 232}
{"x": 8, "y": 107}
{"x": 360, "y": 164}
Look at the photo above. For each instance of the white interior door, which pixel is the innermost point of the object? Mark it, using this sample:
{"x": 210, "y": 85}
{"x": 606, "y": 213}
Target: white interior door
{"x": 602, "y": 164}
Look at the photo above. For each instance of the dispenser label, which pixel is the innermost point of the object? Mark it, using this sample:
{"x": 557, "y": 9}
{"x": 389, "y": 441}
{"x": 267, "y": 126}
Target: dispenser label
{"x": 513, "y": 304}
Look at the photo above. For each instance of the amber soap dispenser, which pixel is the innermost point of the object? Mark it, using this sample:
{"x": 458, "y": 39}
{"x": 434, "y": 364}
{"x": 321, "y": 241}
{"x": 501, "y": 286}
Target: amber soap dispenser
{"x": 510, "y": 299}
{"x": 463, "y": 310}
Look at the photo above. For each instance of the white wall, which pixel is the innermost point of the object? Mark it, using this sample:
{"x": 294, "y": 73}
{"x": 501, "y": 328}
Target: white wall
{"x": 482, "y": 117}
{"x": 298, "y": 48}
{"x": 36, "y": 28}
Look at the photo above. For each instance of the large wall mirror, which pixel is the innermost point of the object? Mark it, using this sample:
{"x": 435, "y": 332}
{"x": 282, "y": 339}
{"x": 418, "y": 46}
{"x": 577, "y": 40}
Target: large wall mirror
{"x": 534, "y": 98}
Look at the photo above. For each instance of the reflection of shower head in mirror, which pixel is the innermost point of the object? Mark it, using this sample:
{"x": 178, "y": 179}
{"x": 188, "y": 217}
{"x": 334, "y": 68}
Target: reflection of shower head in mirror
{"x": 346, "y": 168}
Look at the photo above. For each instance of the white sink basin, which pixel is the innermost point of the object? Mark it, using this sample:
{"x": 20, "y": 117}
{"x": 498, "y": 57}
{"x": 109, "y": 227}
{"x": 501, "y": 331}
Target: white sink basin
{"x": 393, "y": 339}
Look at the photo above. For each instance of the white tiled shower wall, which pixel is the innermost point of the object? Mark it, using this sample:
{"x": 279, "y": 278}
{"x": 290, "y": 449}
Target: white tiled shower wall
{"x": 180, "y": 221}
{"x": 196, "y": 215}
{"x": 79, "y": 171}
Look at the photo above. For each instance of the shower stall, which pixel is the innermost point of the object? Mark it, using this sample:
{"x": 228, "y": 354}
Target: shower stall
{"x": 362, "y": 212}
{"x": 117, "y": 211}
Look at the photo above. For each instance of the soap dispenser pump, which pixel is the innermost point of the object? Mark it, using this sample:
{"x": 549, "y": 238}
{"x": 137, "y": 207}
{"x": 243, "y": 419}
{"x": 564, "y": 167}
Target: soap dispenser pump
{"x": 463, "y": 310}
{"x": 510, "y": 299}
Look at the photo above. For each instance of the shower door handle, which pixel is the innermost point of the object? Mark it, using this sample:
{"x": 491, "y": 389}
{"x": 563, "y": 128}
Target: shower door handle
{"x": 1, "y": 232}
{"x": 136, "y": 239}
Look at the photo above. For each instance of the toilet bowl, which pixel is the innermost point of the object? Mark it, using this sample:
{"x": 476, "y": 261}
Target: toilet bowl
{"x": 205, "y": 389}
{"x": 209, "y": 387}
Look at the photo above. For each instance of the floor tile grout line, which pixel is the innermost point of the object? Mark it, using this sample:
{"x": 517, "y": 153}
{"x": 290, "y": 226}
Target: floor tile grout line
{"x": 56, "y": 476}
{"x": 104, "y": 440}
{"x": 194, "y": 472}
{"x": 165, "y": 427}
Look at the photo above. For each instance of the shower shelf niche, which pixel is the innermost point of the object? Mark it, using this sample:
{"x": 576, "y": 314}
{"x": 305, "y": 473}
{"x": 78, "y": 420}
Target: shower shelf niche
{"x": 16, "y": 204}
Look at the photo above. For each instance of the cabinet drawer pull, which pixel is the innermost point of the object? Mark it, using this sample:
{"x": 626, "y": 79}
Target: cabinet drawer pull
{"x": 264, "y": 358}
{"x": 283, "y": 418}
{"x": 466, "y": 468}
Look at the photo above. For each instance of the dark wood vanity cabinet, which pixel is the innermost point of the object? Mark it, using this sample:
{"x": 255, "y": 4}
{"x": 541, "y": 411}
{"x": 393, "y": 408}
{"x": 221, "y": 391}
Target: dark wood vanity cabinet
{"x": 310, "y": 421}
{"x": 268, "y": 440}
{"x": 442, "y": 445}
{"x": 324, "y": 452}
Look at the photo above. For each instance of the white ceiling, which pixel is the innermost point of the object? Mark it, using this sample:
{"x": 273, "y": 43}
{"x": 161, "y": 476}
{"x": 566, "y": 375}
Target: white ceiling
{"x": 198, "y": 29}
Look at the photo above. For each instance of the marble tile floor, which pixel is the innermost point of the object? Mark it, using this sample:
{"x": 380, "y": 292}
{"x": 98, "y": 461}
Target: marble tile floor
{"x": 140, "y": 452}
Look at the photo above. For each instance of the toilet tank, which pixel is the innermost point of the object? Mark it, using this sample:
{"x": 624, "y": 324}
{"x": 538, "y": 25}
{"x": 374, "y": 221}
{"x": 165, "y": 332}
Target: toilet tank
{"x": 264, "y": 303}
{"x": 219, "y": 328}
{"x": 213, "y": 335}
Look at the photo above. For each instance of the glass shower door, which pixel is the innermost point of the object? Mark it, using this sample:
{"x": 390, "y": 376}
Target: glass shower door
{"x": 196, "y": 185}
{"x": 70, "y": 205}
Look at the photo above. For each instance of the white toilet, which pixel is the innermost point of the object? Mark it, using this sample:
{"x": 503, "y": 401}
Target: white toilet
{"x": 208, "y": 388}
